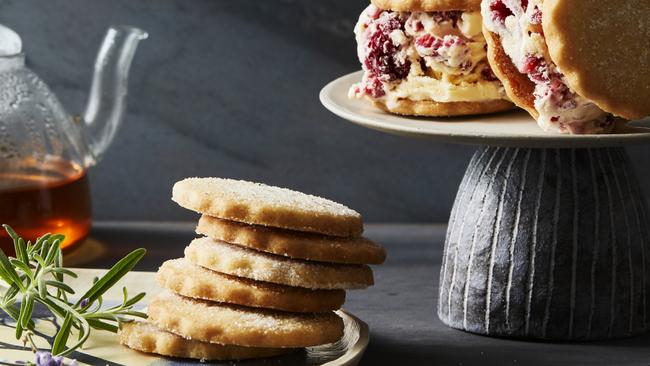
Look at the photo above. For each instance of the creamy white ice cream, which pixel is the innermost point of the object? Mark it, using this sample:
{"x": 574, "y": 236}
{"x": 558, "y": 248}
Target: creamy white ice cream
{"x": 423, "y": 56}
{"x": 518, "y": 24}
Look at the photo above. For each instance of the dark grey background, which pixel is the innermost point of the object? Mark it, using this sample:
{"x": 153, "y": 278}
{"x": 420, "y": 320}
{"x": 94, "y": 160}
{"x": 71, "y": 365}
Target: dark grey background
{"x": 230, "y": 89}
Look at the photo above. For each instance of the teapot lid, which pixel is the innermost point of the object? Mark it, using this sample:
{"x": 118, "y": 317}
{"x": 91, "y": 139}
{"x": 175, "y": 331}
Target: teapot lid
{"x": 10, "y": 42}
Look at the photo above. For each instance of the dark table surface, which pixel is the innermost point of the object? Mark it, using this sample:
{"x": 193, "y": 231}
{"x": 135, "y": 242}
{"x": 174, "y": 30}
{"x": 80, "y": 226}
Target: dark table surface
{"x": 400, "y": 308}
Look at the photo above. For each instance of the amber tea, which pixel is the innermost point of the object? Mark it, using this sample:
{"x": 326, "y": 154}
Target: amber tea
{"x": 54, "y": 197}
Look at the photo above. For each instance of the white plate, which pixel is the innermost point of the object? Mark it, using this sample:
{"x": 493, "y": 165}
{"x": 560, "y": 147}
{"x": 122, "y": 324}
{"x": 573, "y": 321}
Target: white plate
{"x": 103, "y": 347}
{"x": 516, "y": 128}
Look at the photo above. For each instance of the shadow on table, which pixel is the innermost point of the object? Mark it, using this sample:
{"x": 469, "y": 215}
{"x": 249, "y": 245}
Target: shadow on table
{"x": 460, "y": 348}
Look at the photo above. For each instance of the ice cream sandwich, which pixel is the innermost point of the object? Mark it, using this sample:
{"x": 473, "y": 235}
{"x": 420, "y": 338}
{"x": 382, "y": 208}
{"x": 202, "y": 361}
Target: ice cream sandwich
{"x": 577, "y": 66}
{"x": 426, "y": 58}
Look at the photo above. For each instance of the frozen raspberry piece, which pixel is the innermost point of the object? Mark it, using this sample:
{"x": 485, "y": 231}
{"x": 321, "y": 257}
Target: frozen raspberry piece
{"x": 499, "y": 11}
{"x": 536, "y": 69}
{"x": 428, "y": 45}
{"x": 374, "y": 87}
{"x": 381, "y": 60}
{"x": 561, "y": 96}
{"x": 536, "y": 16}
{"x": 451, "y": 51}
{"x": 524, "y": 4}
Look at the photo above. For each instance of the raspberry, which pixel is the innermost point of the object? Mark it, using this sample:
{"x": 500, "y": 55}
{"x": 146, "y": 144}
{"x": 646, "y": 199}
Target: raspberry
{"x": 500, "y": 11}
{"x": 561, "y": 95}
{"x": 381, "y": 60}
{"x": 524, "y": 4}
{"x": 536, "y": 16}
{"x": 536, "y": 69}
{"x": 374, "y": 87}
{"x": 428, "y": 45}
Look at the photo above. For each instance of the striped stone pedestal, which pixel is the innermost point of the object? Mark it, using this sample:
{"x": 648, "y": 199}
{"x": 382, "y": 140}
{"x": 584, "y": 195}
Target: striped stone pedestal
{"x": 547, "y": 244}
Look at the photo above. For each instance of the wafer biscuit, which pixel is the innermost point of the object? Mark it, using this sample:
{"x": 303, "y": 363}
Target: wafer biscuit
{"x": 260, "y": 204}
{"x": 146, "y": 337}
{"x": 190, "y": 280}
{"x": 241, "y": 262}
{"x": 294, "y": 244}
{"x": 238, "y": 325}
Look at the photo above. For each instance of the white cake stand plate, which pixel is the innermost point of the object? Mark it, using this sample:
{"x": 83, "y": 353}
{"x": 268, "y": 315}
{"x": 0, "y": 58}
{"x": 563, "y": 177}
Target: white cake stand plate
{"x": 548, "y": 237}
{"x": 514, "y": 129}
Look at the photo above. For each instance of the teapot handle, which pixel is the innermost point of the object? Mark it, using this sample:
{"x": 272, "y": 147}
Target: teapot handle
{"x": 107, "y": 99}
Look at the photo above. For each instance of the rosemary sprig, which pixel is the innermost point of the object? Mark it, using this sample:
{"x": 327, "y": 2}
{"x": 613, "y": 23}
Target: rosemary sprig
{"x": 37, "y": 275}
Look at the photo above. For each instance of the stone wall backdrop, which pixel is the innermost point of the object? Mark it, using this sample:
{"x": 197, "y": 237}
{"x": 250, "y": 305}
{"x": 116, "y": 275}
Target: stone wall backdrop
{"x": 230, "y": 89}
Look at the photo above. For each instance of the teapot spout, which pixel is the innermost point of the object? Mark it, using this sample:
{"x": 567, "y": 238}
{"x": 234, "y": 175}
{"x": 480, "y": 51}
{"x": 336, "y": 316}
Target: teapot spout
{"x": 107, "y": 99}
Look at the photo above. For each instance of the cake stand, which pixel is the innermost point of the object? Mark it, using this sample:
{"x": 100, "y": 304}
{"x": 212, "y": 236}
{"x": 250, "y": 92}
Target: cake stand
{"x": 548, "y": 237}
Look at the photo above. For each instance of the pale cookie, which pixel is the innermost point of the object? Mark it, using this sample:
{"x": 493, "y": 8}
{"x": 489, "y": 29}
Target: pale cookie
{"x": 429, "y": 108}
{"x": 602, "y": 48}
{"x": 294, "y": 244}
{"x": 241, "y": 262}
{"x": 190, "y": 280}
{"x": 146, "y": 337}
{"x": 428, "y": 5}
{"x": 519, "y": 87}
{"x": 259, "y": 204}
{"x": 238, "y": 325}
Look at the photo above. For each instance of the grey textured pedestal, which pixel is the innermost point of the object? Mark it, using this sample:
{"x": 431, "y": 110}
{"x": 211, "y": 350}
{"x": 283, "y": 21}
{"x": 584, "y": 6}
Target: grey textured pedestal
{"x": 547, "y": 244}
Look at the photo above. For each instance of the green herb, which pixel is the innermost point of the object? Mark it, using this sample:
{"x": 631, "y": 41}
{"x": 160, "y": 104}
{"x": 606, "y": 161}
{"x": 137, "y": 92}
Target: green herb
{"x": 37, "y": 275}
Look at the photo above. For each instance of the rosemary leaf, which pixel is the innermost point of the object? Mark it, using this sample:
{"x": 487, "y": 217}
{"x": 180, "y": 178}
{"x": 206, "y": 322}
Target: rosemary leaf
{"x": 60, "y": 285}
{"x": 38, "y": 268}
{"x": 121, "y": 268}
{"x": 62, "y": 336}
{"x": 10, "y": 271}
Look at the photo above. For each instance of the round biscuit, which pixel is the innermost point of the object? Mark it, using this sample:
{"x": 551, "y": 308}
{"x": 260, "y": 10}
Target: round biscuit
{"x": 220, "y": 323}
{"x": 294, "y": 244}
{"x": 428, "y": 5}
{"x": 260, "y": 204}
{"x": 430, "y": 108}
{"x": 242, "y": 262}
{"x": 518, "y": 86}
{"x": 145, "y": 337}
{"x": 190, "y": 280}
{"x": 603, "y": 50}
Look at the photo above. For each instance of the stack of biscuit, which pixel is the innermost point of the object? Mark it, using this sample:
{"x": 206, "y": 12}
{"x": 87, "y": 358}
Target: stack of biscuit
{"x": 265, "y": 279}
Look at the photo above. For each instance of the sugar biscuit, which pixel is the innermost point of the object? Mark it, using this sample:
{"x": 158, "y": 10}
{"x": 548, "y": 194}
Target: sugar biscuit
{"x": 602, "y": 49}
{"x": 260, "y": 204}
{"x": 293, "y": 244}
{"x": 241, "y": 262}
{"x": 190, "y": 280}
{"x": 145, "y": 337}
{"x": 238, "y": 325}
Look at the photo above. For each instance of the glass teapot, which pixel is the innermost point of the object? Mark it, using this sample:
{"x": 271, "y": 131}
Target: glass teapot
{"x": 44, "y": 151}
